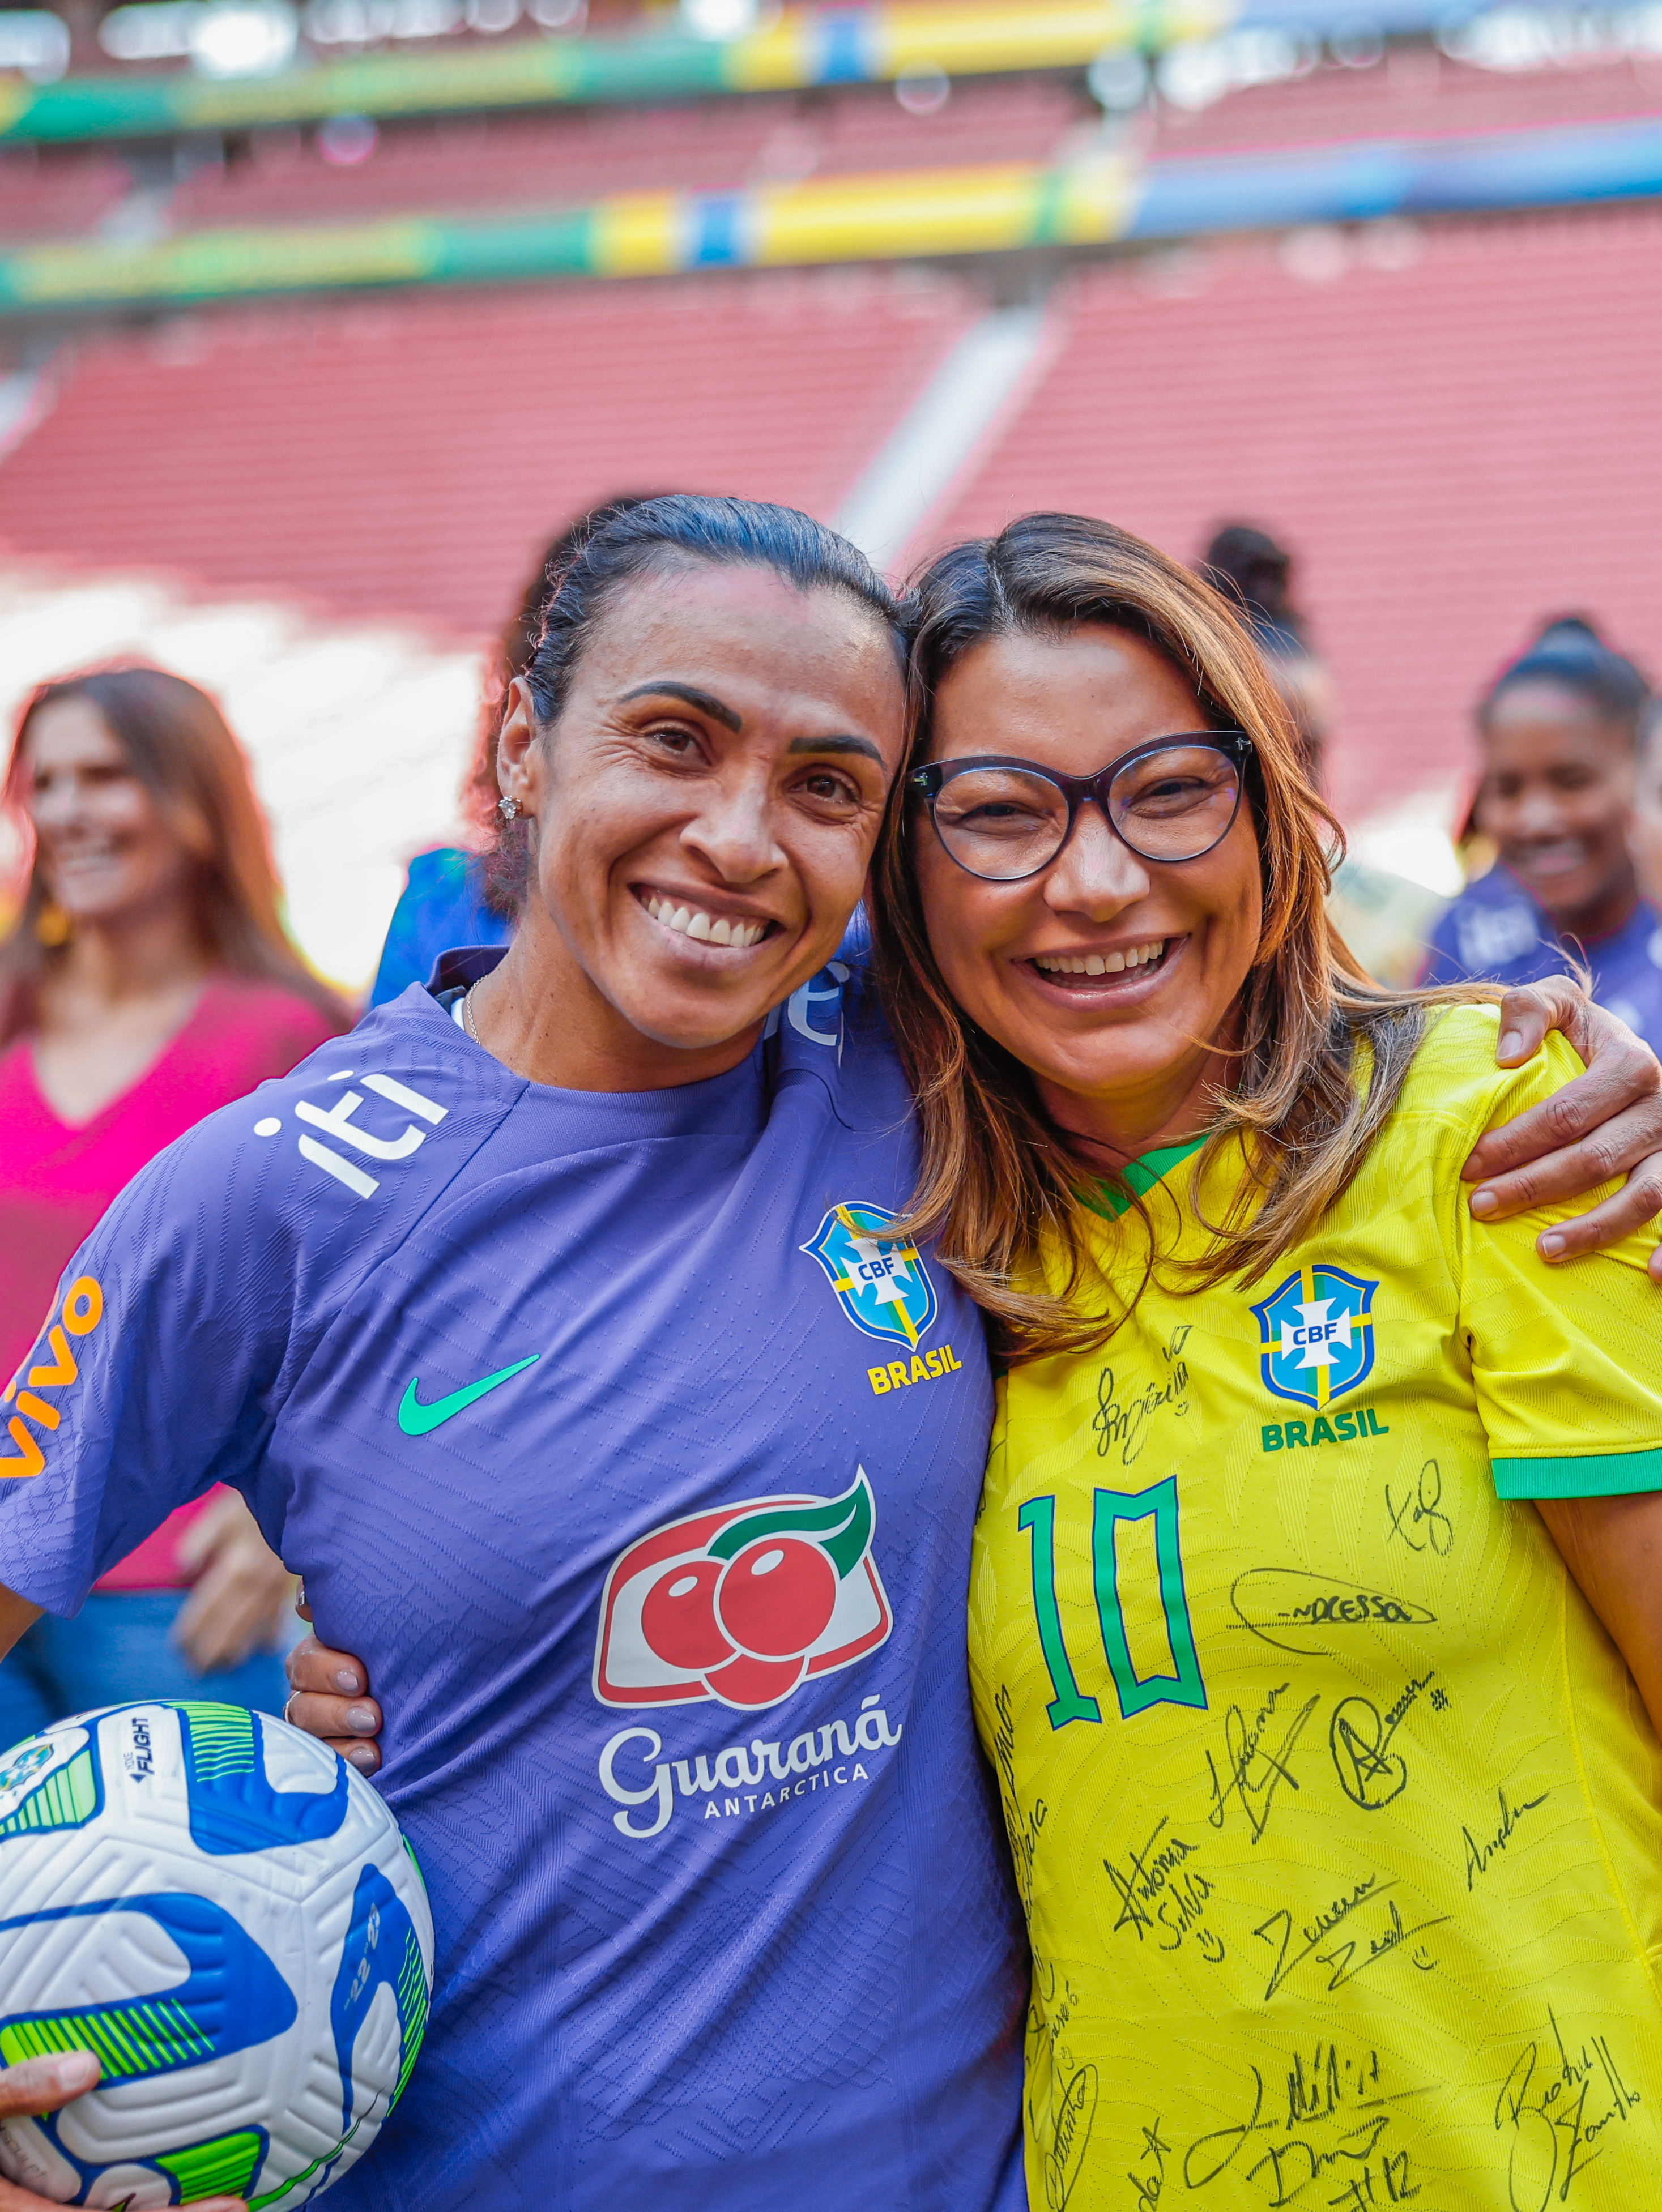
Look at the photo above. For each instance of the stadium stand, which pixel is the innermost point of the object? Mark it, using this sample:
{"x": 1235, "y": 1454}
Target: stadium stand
{"x": 442, "y": 436}
{"x": 405, "y": 457}
{"x": 58, "y": 192}
{"x": 1412, "y": 409}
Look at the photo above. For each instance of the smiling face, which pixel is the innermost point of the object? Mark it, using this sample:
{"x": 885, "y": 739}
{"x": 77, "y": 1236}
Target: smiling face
{"x": 1112, "y": 977}
{"x": 706, "y": 805}
{"x": 1557, "y": 781}
{"x": 106, "y": 850}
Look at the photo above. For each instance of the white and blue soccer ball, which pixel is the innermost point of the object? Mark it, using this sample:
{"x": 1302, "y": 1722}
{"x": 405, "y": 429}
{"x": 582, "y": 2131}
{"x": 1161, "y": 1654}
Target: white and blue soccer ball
{"x": 227, "y": 1915}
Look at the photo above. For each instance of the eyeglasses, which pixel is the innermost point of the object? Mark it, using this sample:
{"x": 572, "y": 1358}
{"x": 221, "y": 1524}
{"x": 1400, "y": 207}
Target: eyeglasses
{"x": 1004, "y": 820}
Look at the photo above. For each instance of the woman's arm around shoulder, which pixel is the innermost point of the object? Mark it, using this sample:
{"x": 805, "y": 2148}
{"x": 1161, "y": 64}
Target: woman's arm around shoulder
{"x": 1584, "y": 1133}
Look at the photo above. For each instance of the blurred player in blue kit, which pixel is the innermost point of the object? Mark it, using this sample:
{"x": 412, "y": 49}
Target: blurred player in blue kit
{"x": 1560, "y": 732}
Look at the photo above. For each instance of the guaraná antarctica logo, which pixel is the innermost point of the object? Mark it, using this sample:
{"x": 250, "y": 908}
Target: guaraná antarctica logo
{"x": 1317, "y": 1335}
{"x": 880, "y": 1283}
{"x": 741, "y": 1604}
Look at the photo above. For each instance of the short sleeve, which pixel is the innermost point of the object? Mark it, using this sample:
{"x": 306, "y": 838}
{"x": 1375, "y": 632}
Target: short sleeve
{"x": 147, "y": 1384}
{"x": 1567, "y": 1360}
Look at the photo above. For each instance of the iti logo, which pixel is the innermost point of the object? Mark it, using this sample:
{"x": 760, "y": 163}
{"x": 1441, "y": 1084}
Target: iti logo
{"x": 880, "y": 1283}
{"x": 740, "y": 1604}
{"x": 1317, "y": 1336}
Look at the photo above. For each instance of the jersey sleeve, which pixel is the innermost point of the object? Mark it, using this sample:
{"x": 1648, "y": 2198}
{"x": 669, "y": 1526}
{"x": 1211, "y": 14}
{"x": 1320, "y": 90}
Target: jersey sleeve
{"x": 1564, "y": 1359}
{"x": 180, "y": 1328}
{"x": 151, "y": 1379}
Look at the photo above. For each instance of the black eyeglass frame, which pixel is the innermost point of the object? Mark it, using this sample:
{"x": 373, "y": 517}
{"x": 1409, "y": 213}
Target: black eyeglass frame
{"x": 931, "y": 779}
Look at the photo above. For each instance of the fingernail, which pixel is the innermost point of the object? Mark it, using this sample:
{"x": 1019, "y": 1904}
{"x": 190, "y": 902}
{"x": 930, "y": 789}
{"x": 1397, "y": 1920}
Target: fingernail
{"x": 347, "y": 1681}
{"x": 1510, "y": 1043}
{"x": 362, "y": 1758}
{"x": 360, "y": 1721}
{"x": 1484, "y": 1202}
{"x": 1551, "y": 1245}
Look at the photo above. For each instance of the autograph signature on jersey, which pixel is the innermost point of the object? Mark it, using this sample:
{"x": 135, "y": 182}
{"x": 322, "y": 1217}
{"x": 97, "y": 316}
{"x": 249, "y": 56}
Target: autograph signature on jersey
{"x": 1350, "y": 1948}
{"x": 1299, "y": 1610}
{"x": 1334, "y": 2126}
{"x": 1360, "y": 1735}
{"x": 1161, "y": 1895}
{"x": 1122, "y": 1424}
{"x": 1255, "y": 1771}
{"x": 1420, "y": 1520}
{"x": 1553, "y": 2108}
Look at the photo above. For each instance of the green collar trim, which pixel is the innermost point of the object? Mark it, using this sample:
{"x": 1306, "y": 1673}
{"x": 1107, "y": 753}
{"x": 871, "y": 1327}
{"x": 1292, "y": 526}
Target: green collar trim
{"x": 1140, "y": 1175}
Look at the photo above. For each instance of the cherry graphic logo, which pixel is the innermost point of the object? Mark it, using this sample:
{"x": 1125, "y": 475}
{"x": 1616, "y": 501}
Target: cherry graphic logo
{"x": 678, "y": 1617}
{"x": 742, "y": 1604}
{"x": 776, "y": 1596}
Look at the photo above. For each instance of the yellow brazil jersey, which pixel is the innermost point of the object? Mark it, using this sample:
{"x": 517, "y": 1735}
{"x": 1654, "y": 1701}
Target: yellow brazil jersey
{"x": 1334, "y": 1809}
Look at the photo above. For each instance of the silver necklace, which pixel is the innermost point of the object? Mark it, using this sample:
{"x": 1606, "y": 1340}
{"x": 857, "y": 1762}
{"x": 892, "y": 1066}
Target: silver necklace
{"x": 467, "y": 1016}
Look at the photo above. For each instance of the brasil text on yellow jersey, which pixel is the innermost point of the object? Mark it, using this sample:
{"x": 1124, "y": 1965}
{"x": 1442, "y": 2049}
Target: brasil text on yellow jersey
{"x": 1334, "y": 1808}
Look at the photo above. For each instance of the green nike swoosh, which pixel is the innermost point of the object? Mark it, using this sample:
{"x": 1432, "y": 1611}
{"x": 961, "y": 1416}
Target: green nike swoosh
{"x": 418, "y": 1420}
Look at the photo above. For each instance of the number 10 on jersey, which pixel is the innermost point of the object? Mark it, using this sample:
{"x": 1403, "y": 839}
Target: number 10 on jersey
{"x": 1115, "y": 1512}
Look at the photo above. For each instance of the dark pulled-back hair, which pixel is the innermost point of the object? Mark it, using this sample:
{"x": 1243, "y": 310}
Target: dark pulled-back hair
{"x": 1254, "y": 574}
{"x": 180, "y": 748}
{"x": 1569, "y": 651}
{"x": 505, "y": 879}
{"x": 618, "y": 543}
{"x": 1323, "y": 1051}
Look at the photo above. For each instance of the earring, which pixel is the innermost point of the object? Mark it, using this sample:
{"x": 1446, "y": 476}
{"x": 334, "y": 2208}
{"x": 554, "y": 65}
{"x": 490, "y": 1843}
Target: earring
{"x": 53, "y": 926}
{"x": 508, "y": 808}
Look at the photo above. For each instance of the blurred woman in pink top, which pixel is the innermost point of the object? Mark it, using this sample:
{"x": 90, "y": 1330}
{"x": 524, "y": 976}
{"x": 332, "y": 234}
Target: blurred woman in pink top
{"x": 146, "y": 980}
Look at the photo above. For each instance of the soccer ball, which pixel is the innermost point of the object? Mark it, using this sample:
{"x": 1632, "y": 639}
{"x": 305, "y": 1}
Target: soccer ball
{"x": 227, "y": 1914}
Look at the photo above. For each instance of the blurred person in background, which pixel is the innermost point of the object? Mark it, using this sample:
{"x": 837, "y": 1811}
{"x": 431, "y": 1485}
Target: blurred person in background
{"x": 1385, "y": 919}
{"x": 1559, "y": 728}
{"x": 451, "y": 896}
{"x": 1644, "y": 819}
{"x": 146, "y": 980}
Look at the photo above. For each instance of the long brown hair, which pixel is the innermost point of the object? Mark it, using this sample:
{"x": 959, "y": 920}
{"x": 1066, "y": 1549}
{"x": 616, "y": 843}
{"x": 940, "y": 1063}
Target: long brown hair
{"x": 998, "y": 1184}
{"x": 180, "y": 748}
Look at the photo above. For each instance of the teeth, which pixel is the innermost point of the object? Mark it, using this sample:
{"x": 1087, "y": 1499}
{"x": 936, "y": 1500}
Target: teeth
{"x": 1100, "y": 964}
{"x": 708, "y": 929}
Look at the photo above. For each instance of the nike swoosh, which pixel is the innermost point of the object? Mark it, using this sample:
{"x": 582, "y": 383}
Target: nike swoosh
{"x": 418, "y": 1420}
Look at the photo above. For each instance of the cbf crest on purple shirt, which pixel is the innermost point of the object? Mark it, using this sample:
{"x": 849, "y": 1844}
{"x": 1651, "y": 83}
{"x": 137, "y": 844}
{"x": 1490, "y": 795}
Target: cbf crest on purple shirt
{"x": 640, "y": 1464}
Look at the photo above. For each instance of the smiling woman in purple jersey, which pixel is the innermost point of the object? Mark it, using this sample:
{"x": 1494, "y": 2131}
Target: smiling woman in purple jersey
{"x": 558, "y": 1342}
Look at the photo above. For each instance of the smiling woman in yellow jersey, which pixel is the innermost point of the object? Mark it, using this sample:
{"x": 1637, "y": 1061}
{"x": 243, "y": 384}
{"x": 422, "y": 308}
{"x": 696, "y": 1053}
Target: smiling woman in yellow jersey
{"x": 1313, "y": 1620}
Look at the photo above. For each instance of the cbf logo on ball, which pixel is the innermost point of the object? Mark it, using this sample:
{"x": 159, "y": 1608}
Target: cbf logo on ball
{"x": 880, "y": 1283}
{"x": 1317, "y": 1335}
{"x": 741, "y": 1604}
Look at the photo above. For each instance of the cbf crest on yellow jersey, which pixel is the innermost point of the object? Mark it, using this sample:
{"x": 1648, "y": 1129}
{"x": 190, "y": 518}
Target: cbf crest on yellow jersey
{"x": 1317, "y": 1334}
{"x": 1335, "y": 1811}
